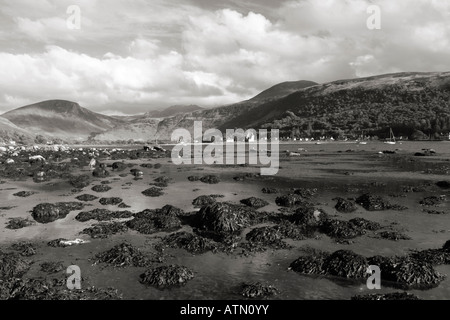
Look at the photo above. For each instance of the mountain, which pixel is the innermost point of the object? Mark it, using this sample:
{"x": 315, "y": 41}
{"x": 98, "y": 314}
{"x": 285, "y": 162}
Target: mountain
{"x": 172, "y": 110}
{"x": 407, "y": 102}
{"x": 60, "y": 118}
{"x": 217, "y": 117}
{"x": 10, "y": 132}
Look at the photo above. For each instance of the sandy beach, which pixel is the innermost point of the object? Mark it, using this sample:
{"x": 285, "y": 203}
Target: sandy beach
{"x": 319, "y": 175}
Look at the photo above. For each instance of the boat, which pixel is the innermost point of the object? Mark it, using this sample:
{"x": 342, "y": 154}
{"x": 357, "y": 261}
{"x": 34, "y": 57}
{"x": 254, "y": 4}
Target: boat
{"x": 391, "y": 138}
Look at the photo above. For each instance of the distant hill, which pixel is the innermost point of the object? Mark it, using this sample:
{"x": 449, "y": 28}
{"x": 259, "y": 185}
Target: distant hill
{"x": 60, "y": 118}
{"x": 10, "y": 132}
{"x": 172, "y": 110}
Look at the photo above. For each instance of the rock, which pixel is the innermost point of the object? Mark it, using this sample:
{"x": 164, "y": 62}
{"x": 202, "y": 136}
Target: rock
{"x": 392, "y": 235}
{"x": 19, "y": 223}
{"x": 166, "y": 276}
{"x": 373, "y": 203}
{"x": 254, "y": 202}
{"x": 344, "y": 205}
{"x": 261, "y": 238}
{"x": 269, "y": 190}
{"x": 123, "y": 255}
{"x": 308, "y": 216}
{"x": 443, "y": 184}
{"x": 408, "y": 273}
{"x": 211, "y": 179}
{"x": 86, "y": 197}
{"x": 386, "y": 296}
{"x": 289, "y": 200}
{"x": 192, "y": 243}
{"x": 223, "y": 218}
{"x": 24, "y": 194}
{"x": 52, "y": 267}
{"x": 151, "y": 221}
{"x": 147, "y": 165}
{"x": 104, "y": 230}
{"x": 346, "y": 264}
{"x": 61, "y": 242}
{"x": 102, "y": 215}
{"x": 311, "y": 264}
{"x": 432, "y": 200}
{"x": 48, "y": 212}
{"x": 305, "y": 192}
{"x": 12, "y": 266}
{"x": 81, "y": 181}
{"x": 123, "y": 205}
{"x": 157, "y": 166}
{"x": 51, "y": 289}
{"x": 153, "y": 192}
{"x": 101, "y": 188}
{"x": 203, "y": 201}
{"x": 258, "y": 290}
{"x": 100, "y": 173}
{"x": 137, "y": 172}
{"x": 110, "y": 201}
{"x": 339, "y": 229}
{"x": 119, "y": 166}
{"x": 25, "y": 249}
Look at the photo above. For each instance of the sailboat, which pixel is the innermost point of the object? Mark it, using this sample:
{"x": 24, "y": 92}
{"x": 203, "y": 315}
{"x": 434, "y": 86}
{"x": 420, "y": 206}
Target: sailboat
{"x": 391, "y": 138}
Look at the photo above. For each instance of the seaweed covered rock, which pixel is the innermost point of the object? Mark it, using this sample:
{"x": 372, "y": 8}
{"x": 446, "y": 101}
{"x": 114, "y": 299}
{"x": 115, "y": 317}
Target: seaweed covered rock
{"x": 386, "y": 296}
{"x": 259, "y": 239}
{"x": 19, "y": 223}
{"x": 119, "y": 166}
{"x": 190, "y": 242}
{"x": 392, "y": 235}
{"x": 86, "y": 197}
{"x": 52, "y": 267}
{"x": 306, "y": 193}
{"x": 365, "y": 224}
{"x": 432, "y": 200}
{"x": 153, "y": 192}
{"x": 100, "y": 173}
{"x": 101, "y": 188}
{"x": 373, "y": 203}
{"x": 167, "y": 276}
{"x": 443, "y": 184}
{"x": 346, "y": 264}
{"x": 102, "y": 215}
{"x": 408, "y": 273}
{"x": 123, "y": 255}
{"x": 25, "y": 249}
{"x": 104, "y": 230}
{"x": 193, "y": 178}
{"x": 310, "y": 264}
{"x": 137, "y": 173}
{"x": 81, "y": 181}
{"x": 289, "y": 200}
{"x": 151, "y": 221}
{"x": 48, "y": 212}
{"x": 224, "y": 218}
{"x": 254, "y": 202}
{"x": 211, "y": 179}
{"x": 12, "y": 265}
{"x": 51, "y": 289}
{"x": 201, "y": 201}
{"x": 344, "y": 205}
{"x": 269, "y": 190}
{"x": 340, "y": 229}
{"x": 24, "y": 194}
{"x": 258, "y": 290}
{"x": 306, "y": 215}
{"x": 113, "y": 201}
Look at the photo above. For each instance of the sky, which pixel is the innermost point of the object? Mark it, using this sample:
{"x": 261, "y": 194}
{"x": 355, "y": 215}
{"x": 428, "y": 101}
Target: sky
{"x": 133, "y": 56}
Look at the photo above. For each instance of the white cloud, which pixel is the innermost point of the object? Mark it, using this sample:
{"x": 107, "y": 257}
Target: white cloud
{"x": 140, "y": 54}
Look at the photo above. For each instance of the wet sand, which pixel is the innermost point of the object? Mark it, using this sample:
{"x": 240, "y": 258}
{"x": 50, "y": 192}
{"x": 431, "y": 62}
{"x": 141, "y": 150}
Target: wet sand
{"x": 336, "y": 170}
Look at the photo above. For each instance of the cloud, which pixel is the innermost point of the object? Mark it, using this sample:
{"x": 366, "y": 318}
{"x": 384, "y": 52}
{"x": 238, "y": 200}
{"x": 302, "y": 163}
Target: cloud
{"x": 135, "y": 55}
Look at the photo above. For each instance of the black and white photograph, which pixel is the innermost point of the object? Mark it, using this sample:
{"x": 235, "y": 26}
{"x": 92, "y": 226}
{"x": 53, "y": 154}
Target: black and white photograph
{"x": 225, "y": 155}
